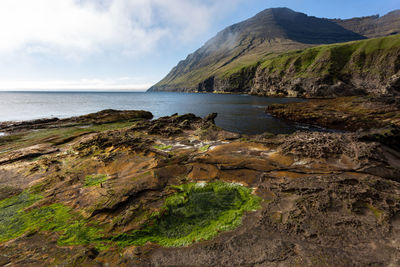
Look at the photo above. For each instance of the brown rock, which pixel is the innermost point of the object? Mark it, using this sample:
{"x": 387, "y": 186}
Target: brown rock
{"x": 27, "y": 153}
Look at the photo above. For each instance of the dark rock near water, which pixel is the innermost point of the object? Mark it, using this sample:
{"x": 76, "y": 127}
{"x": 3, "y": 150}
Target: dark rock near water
{"x": 211, "y": 117}
{"x": 389, "y": 136}
{"x": 344, "y": 113}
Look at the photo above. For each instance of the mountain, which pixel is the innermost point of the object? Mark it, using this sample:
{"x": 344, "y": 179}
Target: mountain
{"x": 373, "y": 26}
{"x": 228, "y": 62}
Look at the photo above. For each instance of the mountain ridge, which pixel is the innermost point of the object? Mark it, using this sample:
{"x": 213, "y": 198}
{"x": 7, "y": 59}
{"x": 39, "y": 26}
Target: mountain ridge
{"x": 373, "y": 26}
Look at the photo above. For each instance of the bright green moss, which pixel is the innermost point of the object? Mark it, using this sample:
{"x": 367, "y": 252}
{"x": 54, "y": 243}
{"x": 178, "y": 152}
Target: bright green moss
{"x": 197, "y": 212}
{"x": 94, "y": 180}
{"x": 204, "y": 148}
{"x": 12, "y": 223}
{"x": 80, "y": 233}
{"x": 15, "y": 221}
{"x": 162, "y": 147}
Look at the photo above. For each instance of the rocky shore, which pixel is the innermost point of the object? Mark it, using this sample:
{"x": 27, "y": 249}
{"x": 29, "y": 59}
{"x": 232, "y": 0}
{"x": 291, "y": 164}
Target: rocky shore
{"x": 374, "y": 118}
{"x": 118, "y": 189}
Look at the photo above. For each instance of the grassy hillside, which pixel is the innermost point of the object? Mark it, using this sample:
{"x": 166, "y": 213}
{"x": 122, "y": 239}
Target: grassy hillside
{"x": 335, "y": 59}
{"x": 355, "y": 68}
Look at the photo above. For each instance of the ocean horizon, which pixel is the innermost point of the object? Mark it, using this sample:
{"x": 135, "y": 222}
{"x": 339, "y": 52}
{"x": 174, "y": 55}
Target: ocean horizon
{"x": 239, "y": 113}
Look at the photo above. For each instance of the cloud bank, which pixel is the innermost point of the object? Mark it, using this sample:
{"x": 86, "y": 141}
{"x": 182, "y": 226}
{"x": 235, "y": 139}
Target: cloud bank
{"x": 119, "y": 84}
{"x": 76, "y": 28}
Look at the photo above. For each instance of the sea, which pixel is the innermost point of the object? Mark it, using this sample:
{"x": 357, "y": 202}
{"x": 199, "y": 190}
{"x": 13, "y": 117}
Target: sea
{"x": 239, "y": 113}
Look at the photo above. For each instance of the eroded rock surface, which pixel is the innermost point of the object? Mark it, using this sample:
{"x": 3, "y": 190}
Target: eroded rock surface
{"x": 328, "y": 199}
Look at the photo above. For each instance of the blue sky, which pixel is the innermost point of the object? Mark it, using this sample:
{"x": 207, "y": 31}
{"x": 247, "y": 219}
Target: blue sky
{"x": 126, "y": 44}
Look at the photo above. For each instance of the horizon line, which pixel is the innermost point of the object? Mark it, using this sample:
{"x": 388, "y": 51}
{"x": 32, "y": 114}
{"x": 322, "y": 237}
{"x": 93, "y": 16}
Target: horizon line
{"x": 73, "y": 90}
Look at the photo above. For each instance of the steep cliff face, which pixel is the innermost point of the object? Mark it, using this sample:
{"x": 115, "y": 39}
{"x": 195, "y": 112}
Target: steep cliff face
{"x": 355, "y": 68}
{"x": 238, "y": 82}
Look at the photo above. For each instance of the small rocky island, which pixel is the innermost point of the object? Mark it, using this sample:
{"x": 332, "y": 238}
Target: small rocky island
{"x": 116, "y": 188}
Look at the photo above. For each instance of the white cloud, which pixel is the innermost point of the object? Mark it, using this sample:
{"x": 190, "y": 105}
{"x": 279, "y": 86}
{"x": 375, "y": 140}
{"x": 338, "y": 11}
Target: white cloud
{"x": 73, "y": 29}
{"x": 123, "y": 83}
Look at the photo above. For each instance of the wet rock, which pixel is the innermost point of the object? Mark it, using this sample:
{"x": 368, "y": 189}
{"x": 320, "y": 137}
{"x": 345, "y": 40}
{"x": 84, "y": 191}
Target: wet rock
{"x": 111, "y": 115}
{"x": 343, "y": 113}
{"x": 211, "y": 117}
{"x": 169, "y": 126}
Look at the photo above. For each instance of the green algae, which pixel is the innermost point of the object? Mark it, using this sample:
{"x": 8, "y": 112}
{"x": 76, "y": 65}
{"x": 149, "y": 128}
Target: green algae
{"x": 204, "y": 148}
{"x": 162, "y": 147}
{"x": 12, "y": 222}
{"x": 95, "y": 180}
{"x": 16, "y": 221}
{"x": 196, "y": 212}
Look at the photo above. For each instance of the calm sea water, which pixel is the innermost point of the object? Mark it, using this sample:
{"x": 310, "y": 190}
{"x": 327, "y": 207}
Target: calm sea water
{"x": 239, "y": 113}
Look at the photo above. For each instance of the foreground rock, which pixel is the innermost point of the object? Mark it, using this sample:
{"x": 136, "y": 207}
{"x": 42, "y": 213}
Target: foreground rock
{"x": 326, "y": 199}
{"x": 28, "y": 153}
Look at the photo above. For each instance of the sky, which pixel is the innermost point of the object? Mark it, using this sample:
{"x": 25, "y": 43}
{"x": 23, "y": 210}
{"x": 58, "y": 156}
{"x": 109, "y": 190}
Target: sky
{"x": 126, "y": 44}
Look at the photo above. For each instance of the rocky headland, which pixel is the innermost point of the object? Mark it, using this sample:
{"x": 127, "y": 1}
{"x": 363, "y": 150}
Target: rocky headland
{"x": 116, "y": 188}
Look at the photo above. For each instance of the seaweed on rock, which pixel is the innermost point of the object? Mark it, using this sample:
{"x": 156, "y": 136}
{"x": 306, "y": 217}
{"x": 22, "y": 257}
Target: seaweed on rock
{"x": 199, "y": 211}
